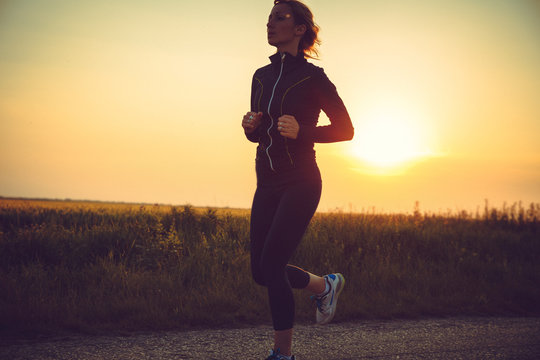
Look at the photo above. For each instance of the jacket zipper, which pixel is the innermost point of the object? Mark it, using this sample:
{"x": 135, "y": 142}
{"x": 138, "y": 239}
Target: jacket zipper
{"x": 271, "y": 119}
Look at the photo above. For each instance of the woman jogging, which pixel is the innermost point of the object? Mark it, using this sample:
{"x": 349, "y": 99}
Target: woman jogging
{"x": 286, "y": 98}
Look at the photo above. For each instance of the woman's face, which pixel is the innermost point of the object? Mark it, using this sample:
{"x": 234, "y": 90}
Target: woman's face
{"x": 281, "y": 29}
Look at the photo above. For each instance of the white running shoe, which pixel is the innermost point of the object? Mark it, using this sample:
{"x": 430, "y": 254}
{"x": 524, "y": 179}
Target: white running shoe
{"x": 326, "y": 304}
{"x": 278, "y": 356}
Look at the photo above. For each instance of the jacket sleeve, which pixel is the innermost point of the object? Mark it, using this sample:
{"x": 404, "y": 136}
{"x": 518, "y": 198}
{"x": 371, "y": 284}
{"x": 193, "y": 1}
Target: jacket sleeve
{"x": 340, "y": 128}
{"x": 255, "y": 135}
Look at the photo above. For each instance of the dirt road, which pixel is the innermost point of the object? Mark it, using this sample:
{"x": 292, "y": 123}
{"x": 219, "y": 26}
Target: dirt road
{"x": 455, "y": 338}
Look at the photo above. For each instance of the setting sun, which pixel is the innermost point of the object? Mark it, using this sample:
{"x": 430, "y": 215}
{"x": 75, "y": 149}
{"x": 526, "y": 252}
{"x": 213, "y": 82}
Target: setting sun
{"x": 139, "y": 101}
{"x": 390, "y": 137}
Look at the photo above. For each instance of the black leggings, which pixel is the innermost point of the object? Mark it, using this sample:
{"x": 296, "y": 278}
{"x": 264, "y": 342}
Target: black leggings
{"x": 283, "y": 206}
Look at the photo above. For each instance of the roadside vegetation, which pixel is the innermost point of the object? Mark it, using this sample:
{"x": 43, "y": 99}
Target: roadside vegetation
{"x": 95, "y": 266}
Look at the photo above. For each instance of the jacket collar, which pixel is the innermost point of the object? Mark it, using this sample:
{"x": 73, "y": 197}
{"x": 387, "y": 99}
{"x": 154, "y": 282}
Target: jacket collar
{"x": 298, "y": 59}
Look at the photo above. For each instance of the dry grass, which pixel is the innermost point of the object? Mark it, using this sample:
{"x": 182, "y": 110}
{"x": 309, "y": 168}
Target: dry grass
{"x": 91, "y": 266}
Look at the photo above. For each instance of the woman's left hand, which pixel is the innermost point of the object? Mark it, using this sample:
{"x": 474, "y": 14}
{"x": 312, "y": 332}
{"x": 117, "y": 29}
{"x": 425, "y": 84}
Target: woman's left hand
{"x": 288, "y": 126}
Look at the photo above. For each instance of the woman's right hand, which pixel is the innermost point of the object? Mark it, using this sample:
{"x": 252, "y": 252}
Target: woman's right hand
{"x": 251, "y": 121}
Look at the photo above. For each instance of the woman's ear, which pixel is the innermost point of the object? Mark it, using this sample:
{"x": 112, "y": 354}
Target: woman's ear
{"x": 300, "y": 30}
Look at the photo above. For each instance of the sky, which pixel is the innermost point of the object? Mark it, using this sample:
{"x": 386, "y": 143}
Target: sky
{"x": 142, "y": 101}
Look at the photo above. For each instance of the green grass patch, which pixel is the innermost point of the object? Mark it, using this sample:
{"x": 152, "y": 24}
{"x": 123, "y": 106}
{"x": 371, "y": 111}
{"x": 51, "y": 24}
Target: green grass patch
{"x": 97, "y": 266}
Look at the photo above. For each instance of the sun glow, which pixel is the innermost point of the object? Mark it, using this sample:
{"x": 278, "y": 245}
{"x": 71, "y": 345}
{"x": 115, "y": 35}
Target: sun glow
{"x": 388, "y": 139}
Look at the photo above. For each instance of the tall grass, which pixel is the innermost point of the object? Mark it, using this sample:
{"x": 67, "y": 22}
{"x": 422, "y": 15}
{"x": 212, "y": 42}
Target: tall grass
{"x": 95, "y": 266}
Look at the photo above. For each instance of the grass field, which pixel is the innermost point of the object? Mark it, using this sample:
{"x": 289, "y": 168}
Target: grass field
{"x": 95, "y": 266}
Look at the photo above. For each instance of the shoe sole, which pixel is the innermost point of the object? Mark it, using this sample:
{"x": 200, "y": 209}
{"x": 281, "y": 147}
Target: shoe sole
{"x": 336, "y": 295}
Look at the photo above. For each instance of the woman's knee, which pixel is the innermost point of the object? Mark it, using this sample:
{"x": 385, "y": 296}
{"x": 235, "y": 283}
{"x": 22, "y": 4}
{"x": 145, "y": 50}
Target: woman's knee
{"x": 265, "y": 273}
{"x": 272, "y": 271}
{"x": 258, "y": 275}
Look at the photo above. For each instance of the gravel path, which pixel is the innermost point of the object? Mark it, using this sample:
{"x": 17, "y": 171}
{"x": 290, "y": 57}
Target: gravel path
{"x": 455, "y": 338}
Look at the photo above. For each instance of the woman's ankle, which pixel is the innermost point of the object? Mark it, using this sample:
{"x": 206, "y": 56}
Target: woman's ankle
{"x": 316, "y": 285}
{"x": 283, "y": 342}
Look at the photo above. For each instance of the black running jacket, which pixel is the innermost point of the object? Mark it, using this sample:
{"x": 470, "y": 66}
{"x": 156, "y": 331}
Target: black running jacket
{"x": 290, "y": 85}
